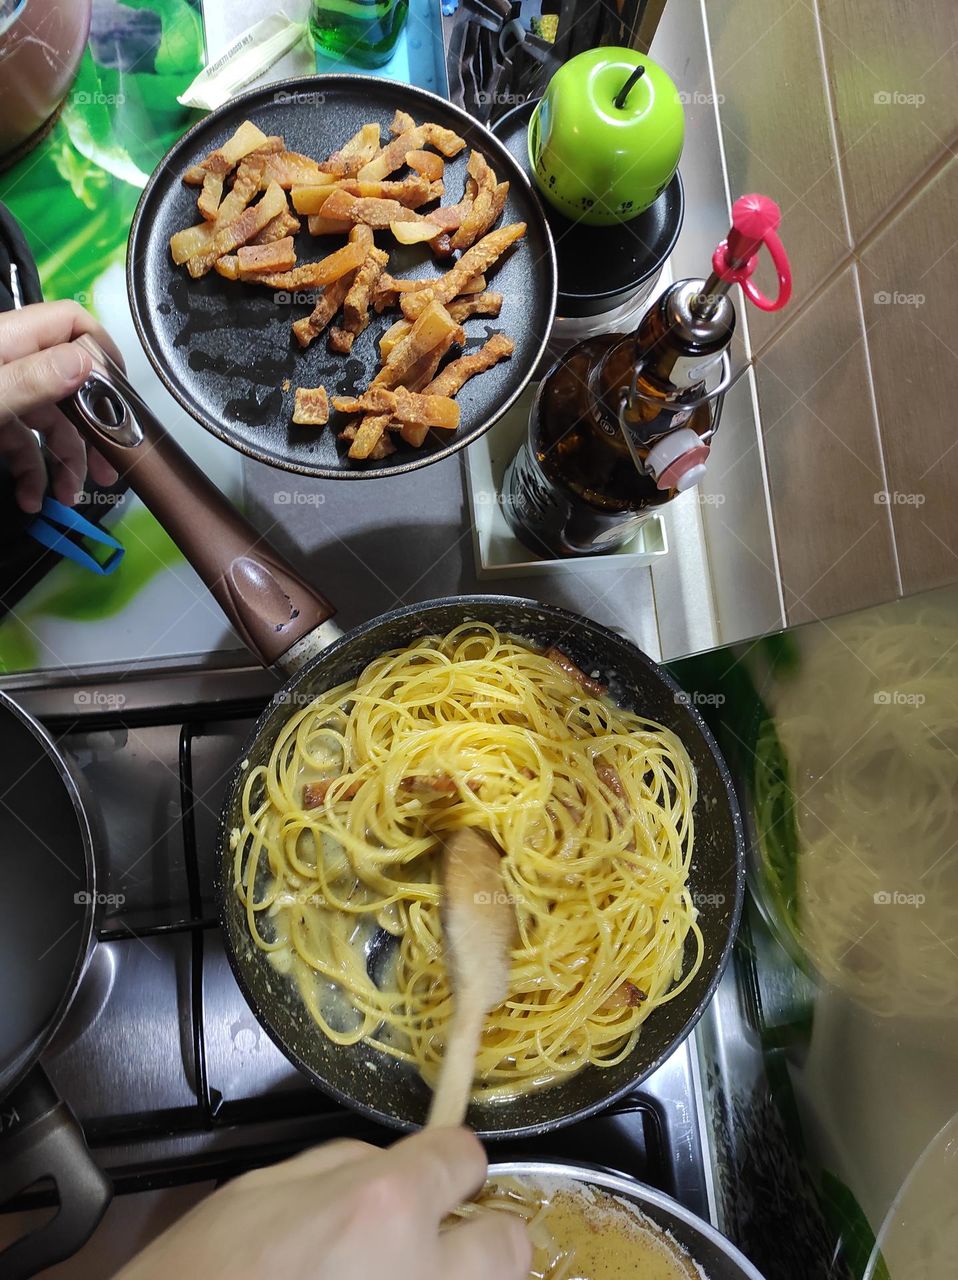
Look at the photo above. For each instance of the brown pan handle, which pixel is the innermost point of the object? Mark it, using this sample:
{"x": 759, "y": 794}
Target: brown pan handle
{"x": 275, "y": 612}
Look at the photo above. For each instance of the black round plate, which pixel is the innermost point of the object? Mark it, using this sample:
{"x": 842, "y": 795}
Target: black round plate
{"x": 600, "y": 267}
{"x": 225, "y": 349}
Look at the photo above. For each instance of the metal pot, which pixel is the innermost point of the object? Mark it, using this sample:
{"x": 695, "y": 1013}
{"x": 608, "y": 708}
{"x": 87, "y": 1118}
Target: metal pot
{"x": 717, "y": 1257}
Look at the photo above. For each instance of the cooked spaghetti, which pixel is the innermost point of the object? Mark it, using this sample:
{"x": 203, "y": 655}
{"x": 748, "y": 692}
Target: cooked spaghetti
{"x": 591, "y": 804}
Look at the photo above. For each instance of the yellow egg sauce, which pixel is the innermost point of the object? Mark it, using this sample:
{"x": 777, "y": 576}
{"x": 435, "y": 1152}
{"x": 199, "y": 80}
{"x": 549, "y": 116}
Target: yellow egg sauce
{"x": 582, "y": 1233}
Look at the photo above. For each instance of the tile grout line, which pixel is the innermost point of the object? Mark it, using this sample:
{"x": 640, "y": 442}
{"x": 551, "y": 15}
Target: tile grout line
{"x": 856, "y": 280}
{"x": 746, "y": 336}
{"x": 852, "y": 255}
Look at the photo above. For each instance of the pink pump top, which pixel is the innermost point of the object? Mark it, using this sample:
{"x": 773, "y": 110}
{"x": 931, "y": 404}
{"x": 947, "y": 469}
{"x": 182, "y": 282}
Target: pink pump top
{"x": 755, "y": 222}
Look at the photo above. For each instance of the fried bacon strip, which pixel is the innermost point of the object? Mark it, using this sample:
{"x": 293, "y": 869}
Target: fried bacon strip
{"x": 381, "y": 449}
{"x": 404, "y": 406}
{"x": 290, "y": 169}
{"x": 283, "y": 225}
{"x": 358, "y": 151}
{"x": 458, "y": 372}
{"x": 426, "y": 163}
{"x": 211, "y": 195}
{"x": 476, "y": 259}
{"x": 312, "y": 275}
{"x": 393, "y": 155}
{"x": 239, "y": 230}
{"x": 356, "y": 303}
{"x": 480, "y": 215}
{"x": 368, "y": 435}
{"x": 330, "y": 301}
{"x": 247, "y": 138}
{"x": 314, "y": 793}
{"x": 625, "y": 996}
{"x": 277, "y": 255}
{"x": 311, "y": 410}
{"x": 565, "y": 663}
{"x": 373, "y": 212}
{"x": 401, "y": 122}
{"x": 432, "y": 325}
{"x": 479, "y": 304}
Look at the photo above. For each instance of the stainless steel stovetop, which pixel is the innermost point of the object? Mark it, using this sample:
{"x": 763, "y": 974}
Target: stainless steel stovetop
{"x": 160, "y": 1057}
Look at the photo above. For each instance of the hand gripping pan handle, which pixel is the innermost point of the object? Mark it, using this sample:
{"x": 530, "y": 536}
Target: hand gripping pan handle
{"x": 276, "y": 613}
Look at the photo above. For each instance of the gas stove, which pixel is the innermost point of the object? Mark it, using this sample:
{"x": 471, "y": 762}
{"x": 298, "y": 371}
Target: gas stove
{"x": 160, "y": 1057}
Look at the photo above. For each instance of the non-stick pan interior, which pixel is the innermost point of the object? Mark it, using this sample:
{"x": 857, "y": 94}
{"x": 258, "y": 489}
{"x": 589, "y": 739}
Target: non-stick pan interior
{"x": 225, "y": 349}
{"x": 392, "y": 1091}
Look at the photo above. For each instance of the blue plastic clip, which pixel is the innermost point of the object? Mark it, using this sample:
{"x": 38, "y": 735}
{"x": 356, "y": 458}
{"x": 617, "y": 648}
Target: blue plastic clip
{"x": 55, "y": 523}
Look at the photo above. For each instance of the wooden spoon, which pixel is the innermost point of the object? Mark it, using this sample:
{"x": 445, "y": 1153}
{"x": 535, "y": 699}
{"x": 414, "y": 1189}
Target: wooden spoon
{"x": 479, "y": 929}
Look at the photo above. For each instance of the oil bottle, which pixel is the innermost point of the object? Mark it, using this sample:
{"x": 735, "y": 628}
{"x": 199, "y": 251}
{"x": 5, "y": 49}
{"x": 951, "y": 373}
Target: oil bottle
{"x": 623, "y": 423}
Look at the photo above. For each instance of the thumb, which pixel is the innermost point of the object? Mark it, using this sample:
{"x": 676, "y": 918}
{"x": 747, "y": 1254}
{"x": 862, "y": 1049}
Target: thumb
{"x": 42, "y": 378}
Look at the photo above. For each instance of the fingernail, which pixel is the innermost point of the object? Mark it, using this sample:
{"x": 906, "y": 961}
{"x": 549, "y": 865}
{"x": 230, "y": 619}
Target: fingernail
{"x": 70, "y": 362}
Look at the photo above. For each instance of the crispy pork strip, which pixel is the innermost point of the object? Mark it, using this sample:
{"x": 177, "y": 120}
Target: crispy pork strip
{"x": 484, "y": 214}
{"x": 403, "y": 406}
{"x": 312, "y": 326}
{"x": 392, "y": 336}
{"x": 368, "y": 435}
{"x": 426, "y": 163}
{"x": 401, "y": 123}
{"x": 382, "y": 449}
{"x": 476, "y": 259}
{"x": 311, "y": 409}
{"x": 355, "y": 153}
{"x": 320, "y": 226}
{"x": 375, "y": 213}
{"x": 192, "y": 241}
{"x": 210, "y": 196}
{"x": 476, "y": 220}
{"x": 424, "y": 370}
{"x": 341, "y": 340}
{"x": 239, "y": 230}
{"x": 290, "y": 169}
{"x": 283, "y": 225}
{"x": 314, "y": 793}
{"x": 565, "y": 663}
{"x": 389, "y": 290}
{"x": 477, "y": 304}
{"x": 311, "y": 275}
{"x": 625, "y": 996}
{"x": 393, "y": 155}
{"x": 458, "y": 372}
{"x": 356, "y": 304}
{"x": 278, "y": 255}
{"x": 430, "y": 328}
{"x": 247, "y": 138}
{"x": 411, "y": 192}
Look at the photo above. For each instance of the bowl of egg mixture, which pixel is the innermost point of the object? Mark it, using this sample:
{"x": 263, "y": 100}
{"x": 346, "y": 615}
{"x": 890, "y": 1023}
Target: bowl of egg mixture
{"x": 590, "y": 1224}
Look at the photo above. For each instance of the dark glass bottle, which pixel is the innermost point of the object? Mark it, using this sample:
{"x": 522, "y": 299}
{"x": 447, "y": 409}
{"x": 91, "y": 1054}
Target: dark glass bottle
{"x": 620, "y": 425}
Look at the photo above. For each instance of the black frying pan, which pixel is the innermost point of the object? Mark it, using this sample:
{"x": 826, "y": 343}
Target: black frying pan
{"x": 288, "y": 624}
{"x": 225, "y": 349}
{"x": 391, "y": 1091}
{"x": 46, "y": 923}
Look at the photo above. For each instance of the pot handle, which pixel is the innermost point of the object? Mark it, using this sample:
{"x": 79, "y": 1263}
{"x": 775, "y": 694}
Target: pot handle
{"x": 274, "y": 610}
{"x": 40, "y": 1137}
